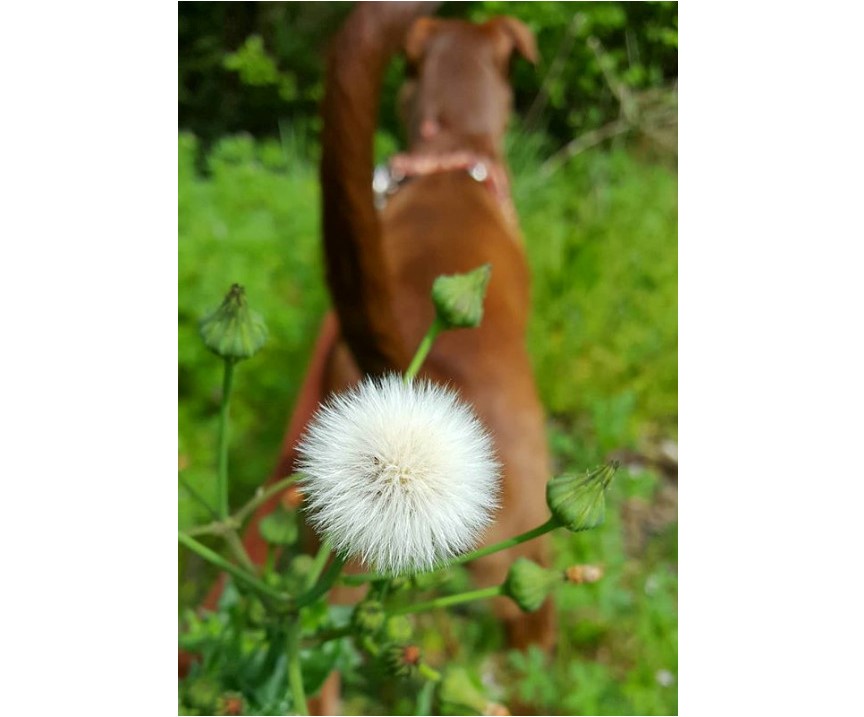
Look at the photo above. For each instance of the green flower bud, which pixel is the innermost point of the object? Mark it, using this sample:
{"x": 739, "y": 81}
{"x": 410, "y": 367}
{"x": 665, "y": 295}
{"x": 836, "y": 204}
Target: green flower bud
{"x": 579, "y": 502}
{"x": 233, "y": 331}
{"x": 256, "y": 613}
{"x": 301, "y": 565}
{"x": 398, "y": 629}
{"x": 459, "y": 298}
{"x": 528, "y": 584}
{"x": 459, "y": 690}
{"x": 203, "y": 694}
{"x": 400, "y": 582}
{"x": 368, "y": 617}
{"x": 279, "y": 528}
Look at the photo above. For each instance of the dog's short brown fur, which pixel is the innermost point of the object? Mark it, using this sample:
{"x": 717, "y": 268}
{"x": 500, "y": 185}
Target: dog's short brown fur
{"x": 380, "y": 267}
{"x": 457, "y": 100}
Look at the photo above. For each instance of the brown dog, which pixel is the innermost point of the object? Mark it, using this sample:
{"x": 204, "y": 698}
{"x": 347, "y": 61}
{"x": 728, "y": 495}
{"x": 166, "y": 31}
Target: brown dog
{"x": 442, "y": 220}
{"x": 450, "y": 213}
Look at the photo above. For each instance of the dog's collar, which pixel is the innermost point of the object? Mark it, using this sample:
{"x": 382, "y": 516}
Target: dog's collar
{"x": 390, "y": 176}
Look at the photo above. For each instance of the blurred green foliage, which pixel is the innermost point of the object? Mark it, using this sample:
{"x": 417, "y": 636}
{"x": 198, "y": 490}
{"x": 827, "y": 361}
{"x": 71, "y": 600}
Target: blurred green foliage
{"x": 257, "y": 67}
{"x": 253, "y": 221}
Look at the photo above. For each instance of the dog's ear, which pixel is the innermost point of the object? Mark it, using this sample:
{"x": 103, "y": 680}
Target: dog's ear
{"x": 418, "y": 38}
{"x": 519, "y": 37}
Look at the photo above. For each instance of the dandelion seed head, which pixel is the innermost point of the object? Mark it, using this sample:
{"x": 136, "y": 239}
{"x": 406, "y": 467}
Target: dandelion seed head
{"x": 401, "y": 475}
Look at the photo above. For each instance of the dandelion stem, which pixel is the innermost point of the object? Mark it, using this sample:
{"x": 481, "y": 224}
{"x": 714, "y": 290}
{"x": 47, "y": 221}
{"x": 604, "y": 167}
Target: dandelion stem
{"x": 318, "y": 564}
{"x": 430, "y": 673}
{"x": 324, "y": 583}
{"x": 424, "y": 698}
{"x": 262, "y": 495}
{"x": 222, "y": 476}
{"x": 197, "y": 496}
{"x": 333, "y": 633}
{"x": 238, "y": 572}
{"x": 235, "y": 545}
{"x": 295, "y": 671}
{"x": 423, "y": 350}
{"x": 548, "y": 526}
{"x": 448, "y": 600}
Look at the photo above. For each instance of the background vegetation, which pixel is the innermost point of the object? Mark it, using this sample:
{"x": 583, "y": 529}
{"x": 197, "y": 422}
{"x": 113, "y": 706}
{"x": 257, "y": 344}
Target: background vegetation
{"x": 593, "y": 158}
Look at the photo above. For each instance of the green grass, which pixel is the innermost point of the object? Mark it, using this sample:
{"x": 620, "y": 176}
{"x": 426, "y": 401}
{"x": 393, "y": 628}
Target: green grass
{"x": 601, "y": 236}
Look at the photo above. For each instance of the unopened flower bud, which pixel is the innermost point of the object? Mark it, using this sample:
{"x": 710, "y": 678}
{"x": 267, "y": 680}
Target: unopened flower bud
{"x": 579, "y": 574}
{"x": 578, "y": 502}
{"x": 230, "y": 704}
{"x": 459, "y": 298}
{"x": 529, "y": 584}
{"x": 256, "y": 613}
{"x": 301, "y": 565}
{"x": 458, "y": 690}
{"x": 398, "y": 629}
{"x": 279, "y": 528}
{"x": 368, "y": 617}
{"x": 400, "y": 582}
{"x": 404, "y": 660}
{"x": 233, "y": 331}
{"x": 294, "y": 579}
{"x": 292, "y": 498}
{"x": 203, "y": 694}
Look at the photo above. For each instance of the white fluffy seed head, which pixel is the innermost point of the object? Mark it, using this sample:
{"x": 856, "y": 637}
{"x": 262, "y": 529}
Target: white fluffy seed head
{"x": 401, "y": 475}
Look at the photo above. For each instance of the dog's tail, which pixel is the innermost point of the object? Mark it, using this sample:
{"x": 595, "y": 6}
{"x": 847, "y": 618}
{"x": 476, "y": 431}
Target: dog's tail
{"x": 356, "y": 270}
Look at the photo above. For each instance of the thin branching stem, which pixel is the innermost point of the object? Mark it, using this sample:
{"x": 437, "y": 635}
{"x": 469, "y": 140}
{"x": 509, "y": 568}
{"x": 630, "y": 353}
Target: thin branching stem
{"x": 548, "y": 526}
{"x": 423, "y": 350}
{"x": 295, "y": 670}
{"x": 447, "y": 600}
{"x": 235, "y": 571}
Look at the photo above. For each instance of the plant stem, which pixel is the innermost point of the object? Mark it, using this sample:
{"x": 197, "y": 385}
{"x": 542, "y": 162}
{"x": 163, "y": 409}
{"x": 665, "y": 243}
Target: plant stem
{"x": 423, "y": 350}
{"x": 549, "y": 525}
{"x": 424, "y": 699}
{"x": 220, "y": 562}
{"x": 295, "y": 672}
{"x": 430, "y": 673}
{"x": 318, "y": 564}
{"x": 324, "y": 583}
{"x": 197, "y": 496}
{"x": 222, "y": 476}
{"x": 333, "y": 633}
{"x": 262, "y": 495}
{"x": 235, "y": 545}
{"x": 448, "y": 600}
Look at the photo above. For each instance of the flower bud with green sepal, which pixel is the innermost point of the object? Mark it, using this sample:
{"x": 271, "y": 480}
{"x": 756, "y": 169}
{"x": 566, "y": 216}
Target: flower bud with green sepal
{"x": 279, "y": 528}
{"x": 368, "y": 617}
{"x": 578, "y": 502}
{"x": 233, "y": 331}
{"x": 295, "y": 578}
{"x": 459, "y": 691}
{"x": 458, "y": 298}
{"x": 398, "y": 629}
{"x": 203, "y": 694}
{"x": 529, "y": 584}
{"x": 403, "y": 660}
